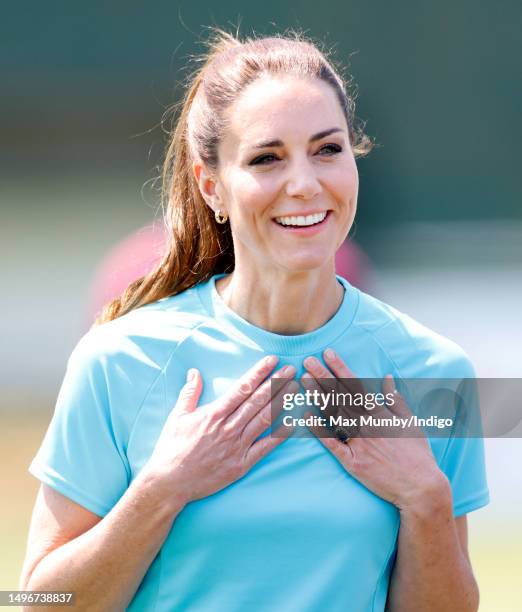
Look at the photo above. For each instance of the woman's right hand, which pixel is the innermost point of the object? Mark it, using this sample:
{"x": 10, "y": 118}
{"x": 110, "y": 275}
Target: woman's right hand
{"x": 203, "y": 449}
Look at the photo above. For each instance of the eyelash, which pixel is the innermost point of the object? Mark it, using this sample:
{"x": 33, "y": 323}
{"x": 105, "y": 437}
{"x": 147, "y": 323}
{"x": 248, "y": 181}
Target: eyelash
{"x": 256, "y": 162}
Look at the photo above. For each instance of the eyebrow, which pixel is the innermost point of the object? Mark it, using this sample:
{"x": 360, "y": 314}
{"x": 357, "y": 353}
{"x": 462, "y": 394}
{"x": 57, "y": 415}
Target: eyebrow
{"x": 279, "y": 143}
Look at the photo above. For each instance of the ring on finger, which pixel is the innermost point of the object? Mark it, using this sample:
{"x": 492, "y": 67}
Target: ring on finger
{"x": 340, "y": 434}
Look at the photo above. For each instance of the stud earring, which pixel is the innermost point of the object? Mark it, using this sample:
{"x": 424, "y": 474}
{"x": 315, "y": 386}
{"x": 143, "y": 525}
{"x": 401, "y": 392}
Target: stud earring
{"x": 221, "y": 217}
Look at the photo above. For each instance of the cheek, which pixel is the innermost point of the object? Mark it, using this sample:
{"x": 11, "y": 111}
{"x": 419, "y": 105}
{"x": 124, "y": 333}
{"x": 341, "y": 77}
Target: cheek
{"x": 345, "y": 184}
{"x": 252, "y": 193}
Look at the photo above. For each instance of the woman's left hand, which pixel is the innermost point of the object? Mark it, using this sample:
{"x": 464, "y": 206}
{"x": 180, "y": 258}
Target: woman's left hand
{"x": 401, "y": 470}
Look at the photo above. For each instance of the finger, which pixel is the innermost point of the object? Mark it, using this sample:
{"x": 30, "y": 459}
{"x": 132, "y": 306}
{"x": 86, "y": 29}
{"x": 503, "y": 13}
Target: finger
{"x": 348, "y": 381}
{"x": 339, "y": 449}
{"x": 310, "y": 382}
{"x": 263, "y": 446}
{"x": 337, "y": 365}
{"x": 190, "y": 392}
{"x": 342, "y": 434}
{"x": 246, "y": 385}
{"x": 328, "y": 409}
{"x": 268, "y": 415}
{"x": 261, "y": 397}
{"x": 344, "y": 378}
{"x": 318, "y": 371}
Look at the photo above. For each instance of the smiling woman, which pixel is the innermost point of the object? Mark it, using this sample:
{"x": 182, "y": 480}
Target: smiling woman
{"x": 159, "y": 483}
{"x": 288, "y": 182}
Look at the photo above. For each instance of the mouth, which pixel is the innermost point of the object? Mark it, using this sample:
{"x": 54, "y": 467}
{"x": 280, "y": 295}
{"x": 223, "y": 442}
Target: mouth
{"x": 303, "y": 224}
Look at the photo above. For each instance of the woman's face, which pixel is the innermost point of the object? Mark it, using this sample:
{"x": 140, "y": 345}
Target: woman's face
{"x": 287, "y": 176}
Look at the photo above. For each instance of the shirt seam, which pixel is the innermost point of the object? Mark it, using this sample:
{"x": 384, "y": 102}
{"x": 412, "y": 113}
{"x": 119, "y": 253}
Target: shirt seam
{"x": 378, "y": 343}
{"x": 385, "y": 565}
{"x": 448, "y": 444}
{"x": 477, "y": 497}
{"x": 381, "y": 347}
{"x": 160, "y": 373}
{"x": 386, "y": 353}
{"x": 400, "y": 377}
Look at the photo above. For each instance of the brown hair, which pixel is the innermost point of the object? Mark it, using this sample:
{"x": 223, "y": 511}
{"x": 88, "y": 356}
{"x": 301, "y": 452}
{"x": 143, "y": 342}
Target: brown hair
{"x": 198, "y": 247}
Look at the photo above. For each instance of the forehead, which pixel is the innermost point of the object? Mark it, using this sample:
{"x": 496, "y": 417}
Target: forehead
{"x": 282, "y": 107}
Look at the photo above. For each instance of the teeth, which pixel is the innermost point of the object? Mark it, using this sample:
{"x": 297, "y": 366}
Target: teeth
{"x": 308, "y": 220}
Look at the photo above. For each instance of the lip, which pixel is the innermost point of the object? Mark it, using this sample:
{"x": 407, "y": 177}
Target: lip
{"x": 302, "y": 213}
{"x": 310, "y": 230}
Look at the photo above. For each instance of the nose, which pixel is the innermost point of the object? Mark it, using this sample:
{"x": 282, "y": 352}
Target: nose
{"x": 302, "y": 181}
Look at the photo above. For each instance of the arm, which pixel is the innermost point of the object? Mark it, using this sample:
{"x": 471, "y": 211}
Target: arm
{"x": 104, "y": 560}
{"x": 101, "y": 560}
{"x": 432, "y": 570}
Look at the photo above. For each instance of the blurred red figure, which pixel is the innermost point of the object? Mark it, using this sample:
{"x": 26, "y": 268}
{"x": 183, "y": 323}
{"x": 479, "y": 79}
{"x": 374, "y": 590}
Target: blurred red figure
{"x": 137, "y": 254}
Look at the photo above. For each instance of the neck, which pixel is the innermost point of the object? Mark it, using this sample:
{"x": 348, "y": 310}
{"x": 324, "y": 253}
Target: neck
{"x": 281, "y": 302}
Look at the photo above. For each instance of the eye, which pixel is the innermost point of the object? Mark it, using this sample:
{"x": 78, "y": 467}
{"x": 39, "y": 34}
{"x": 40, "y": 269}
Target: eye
{"x": 331, "y": 149}
{"x": 263, "y": 159}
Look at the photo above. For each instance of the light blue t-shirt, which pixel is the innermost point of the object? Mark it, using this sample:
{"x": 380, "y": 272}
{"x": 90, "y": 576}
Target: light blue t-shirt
{"x": 297, "y": 533}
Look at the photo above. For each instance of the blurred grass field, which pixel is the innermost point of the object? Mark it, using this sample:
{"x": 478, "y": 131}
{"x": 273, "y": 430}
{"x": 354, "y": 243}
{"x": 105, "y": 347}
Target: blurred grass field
{"x": 496, "y": 555}
{"x": 21, "y": 437}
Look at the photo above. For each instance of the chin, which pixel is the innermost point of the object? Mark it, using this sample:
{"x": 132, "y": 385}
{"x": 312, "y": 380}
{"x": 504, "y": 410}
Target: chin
{"x": 304, "y": 263}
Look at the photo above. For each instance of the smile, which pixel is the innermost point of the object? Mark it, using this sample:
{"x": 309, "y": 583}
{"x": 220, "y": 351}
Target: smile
{"x": 302, "y": 221}
{"x": 303, "y": 226}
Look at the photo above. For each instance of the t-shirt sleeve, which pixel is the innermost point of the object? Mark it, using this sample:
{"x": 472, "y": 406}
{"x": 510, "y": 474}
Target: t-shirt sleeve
{"x": 81, "y": 455}
{"x": 464, "y": 465}
{"x": 463, "y": 460}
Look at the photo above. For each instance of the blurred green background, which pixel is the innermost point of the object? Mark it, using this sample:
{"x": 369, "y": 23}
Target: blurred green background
{"x": 84, "y": 88}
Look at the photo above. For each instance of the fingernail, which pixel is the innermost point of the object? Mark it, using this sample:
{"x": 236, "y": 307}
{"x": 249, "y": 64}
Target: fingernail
{"x": 271, "y": 360}
{"x": 287, "y": 370}
{"x": 191, "y": 374}
{"x": 391, "y": 380}
{"x": 310, "y": 362}
{"x": 330, "y": 353}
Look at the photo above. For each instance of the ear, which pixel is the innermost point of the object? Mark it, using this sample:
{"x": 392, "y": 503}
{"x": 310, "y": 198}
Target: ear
{"x": 207, "y": 185}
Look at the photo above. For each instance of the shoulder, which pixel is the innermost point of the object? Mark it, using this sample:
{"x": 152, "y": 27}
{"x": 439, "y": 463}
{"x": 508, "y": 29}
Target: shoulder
{"x": 144, "y": 338}
{"x": 416, "y": 350}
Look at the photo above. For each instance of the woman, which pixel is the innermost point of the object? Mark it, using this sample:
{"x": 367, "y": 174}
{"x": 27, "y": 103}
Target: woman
{"x": 152, "y": 507}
